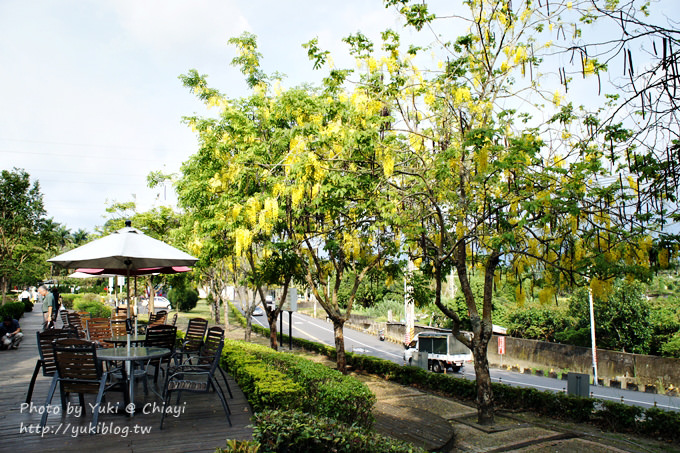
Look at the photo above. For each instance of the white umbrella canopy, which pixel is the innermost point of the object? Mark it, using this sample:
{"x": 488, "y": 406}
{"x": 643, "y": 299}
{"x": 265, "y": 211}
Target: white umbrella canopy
{"x": 127, "y": 248}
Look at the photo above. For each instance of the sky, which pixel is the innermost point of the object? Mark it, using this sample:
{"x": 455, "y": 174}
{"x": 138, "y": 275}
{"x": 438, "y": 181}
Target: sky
{"x": 90, "y": 96}
{"x": 91, "y": 102}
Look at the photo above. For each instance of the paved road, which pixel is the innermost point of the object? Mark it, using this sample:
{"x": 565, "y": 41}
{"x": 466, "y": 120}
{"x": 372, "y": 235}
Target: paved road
{"x": 358, "y": 342}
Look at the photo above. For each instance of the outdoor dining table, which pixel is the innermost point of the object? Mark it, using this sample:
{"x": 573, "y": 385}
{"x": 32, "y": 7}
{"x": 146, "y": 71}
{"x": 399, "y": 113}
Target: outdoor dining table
{"x": 122, "y": 339}
{"x": 130, "y": 356}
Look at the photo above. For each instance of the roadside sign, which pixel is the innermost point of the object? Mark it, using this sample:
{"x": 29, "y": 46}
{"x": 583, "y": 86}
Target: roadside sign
{"x": 501, "y": 345}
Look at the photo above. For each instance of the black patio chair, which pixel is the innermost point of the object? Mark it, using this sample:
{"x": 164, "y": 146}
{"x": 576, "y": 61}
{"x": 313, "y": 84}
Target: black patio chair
{"x": 194, "y": 379}
{"x": 79, "y": 371}
{"x": 160, "y": 336}
{"x": 46, "y": 354}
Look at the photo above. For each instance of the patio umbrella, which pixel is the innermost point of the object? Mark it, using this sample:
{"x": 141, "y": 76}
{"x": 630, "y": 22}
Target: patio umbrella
{"x": 127, "y": 250}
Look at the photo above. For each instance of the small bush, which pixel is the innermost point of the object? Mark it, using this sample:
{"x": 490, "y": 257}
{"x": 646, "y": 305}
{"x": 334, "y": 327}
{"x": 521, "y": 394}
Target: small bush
{"x": 92, "y": 304}
{"x": 28, "y": 306}
{"x": 183, "y": 299}
{"x": 13, "y": 309}
{"x": 68, "y": 299}
{"x": 293, "y": 431}
{"x": 240, "y": 446}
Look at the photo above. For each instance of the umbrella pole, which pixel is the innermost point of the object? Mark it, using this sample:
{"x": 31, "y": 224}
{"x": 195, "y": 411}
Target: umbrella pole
{"x": 127, "y": 281}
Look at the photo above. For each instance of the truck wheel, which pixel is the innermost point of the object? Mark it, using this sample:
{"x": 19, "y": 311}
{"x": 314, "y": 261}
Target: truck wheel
{"x": 436, "y": 366}
{"x": 410, "y": 361}
{"x": 456, "y": 368}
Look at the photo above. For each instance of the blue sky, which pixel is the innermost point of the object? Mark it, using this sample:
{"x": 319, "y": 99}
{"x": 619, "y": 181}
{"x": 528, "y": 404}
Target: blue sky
{"x": 90, "y": 95}
{"x": 90, "y": 100}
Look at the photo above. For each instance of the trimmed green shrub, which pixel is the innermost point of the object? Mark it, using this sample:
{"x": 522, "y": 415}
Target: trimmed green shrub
{"x": 28, "y": 306}
{"x": 13, "y": 309}
{"x": 92, "y": 304}
{"x": 273, "y": 379}
{"x": 618, "y": 417}
{"x": 183, "y": 299}
{"x": 293, "y": 431}
{"x": 68, "y": 300}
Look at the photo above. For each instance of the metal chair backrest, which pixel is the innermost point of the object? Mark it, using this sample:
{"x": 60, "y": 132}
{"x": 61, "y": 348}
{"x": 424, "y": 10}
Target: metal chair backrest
{"x": 174, "y": 320}
{"x": 213, "y": 338}
{"x": 98, "y": 329}
{"x": 45, "y": 340}
{"x": 118, "y": 325}
{"x": 161, "y": 336}
{"x": 75, "y": 322}
{"x": 64, "y": 317}
{"x": 194, "y": 335}
{"x": 158, "y": 318}
{"x": 77, "y": 365}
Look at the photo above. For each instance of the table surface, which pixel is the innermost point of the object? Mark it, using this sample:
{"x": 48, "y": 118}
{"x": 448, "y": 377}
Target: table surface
{"x": 123, "y": 339}
{"x": 132, "y": 353}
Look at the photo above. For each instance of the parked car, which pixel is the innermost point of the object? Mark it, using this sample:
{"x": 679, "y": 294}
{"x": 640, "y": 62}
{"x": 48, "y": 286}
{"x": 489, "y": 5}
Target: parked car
{"x": 258, "y": 311}
{"x": 158, "y": 302}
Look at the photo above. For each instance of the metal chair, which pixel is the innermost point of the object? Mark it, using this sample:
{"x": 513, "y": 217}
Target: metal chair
{"x": 46, "y": 359}
{"x": 75, "y": 322}
{"x": 189, "y": 378}
{"x": 174, "y": 320}
{"x": 64, "y": 318}
{"x": 193, "y": 339}
{"x": 158, "y": 318}
{"x": 79, "y": 371}
{"x": 98, "y": 329}
{"x": 118, "y": 328}
{"x": 204, "y": 359}
{"x": 160, "y": 336}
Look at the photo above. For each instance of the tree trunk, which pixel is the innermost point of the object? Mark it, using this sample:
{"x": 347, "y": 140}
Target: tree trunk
{"x": 341, "y": 359}
{"x": 273, "y": 339}
{"x": 249, "y": 328}
{"x": 4, "y": 284}
{"x": 485, "y": 406}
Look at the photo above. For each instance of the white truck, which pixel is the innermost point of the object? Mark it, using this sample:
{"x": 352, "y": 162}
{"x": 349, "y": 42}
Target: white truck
{"x": 442, "y": 351}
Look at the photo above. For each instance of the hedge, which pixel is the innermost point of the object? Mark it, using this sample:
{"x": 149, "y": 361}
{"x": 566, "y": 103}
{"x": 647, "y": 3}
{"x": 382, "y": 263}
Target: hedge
{"x": 608, "y": 415}
{"x": 272, "y": 379}
{"x": 13, "y": 309}
{"x": 294, "y": 431}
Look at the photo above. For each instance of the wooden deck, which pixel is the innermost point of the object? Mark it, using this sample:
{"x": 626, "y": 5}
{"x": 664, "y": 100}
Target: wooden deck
{"x": 200, "y": 424}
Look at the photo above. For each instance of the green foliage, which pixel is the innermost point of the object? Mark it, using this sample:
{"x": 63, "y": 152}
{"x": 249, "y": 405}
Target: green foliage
{"x": 183, "y": 299}
{"x": 240, "y": 446}
{"x": 28, "y": 306}
{"x": 619, "y": 417}
{"x": 536, "y": 323}
{"x": 294, "y": 431}
{"x": 672, "y": 347}
{"x": 622, "y": 321}
{"x": 92, "y": 304}
{"x": 68, "y": 299}
{"x": 14, "y": 309}
{"x": 25, "y": 231}
{"x": 277, "y": 380}
{"x": 182, "y": 296}
{"x": 372, "y": 291}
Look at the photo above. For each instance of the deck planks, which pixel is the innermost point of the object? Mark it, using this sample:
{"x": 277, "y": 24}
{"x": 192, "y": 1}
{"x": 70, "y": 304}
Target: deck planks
{"x": 200, "y": 427}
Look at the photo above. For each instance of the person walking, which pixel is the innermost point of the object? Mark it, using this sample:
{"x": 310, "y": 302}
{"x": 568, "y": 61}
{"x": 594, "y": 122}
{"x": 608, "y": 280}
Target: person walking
{"x": 47, "y": 306}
